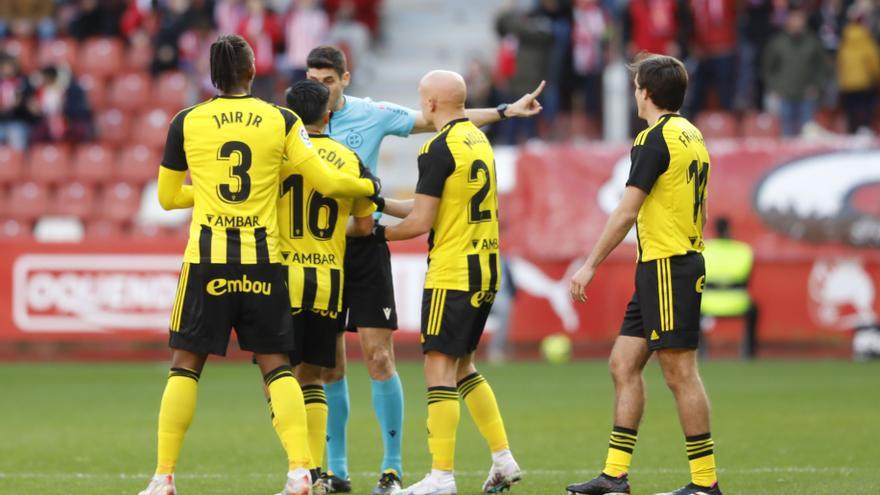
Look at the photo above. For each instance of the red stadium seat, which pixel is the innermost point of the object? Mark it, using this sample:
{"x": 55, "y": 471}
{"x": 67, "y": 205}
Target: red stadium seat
{"x": 113, "y": 126}
{"x": 716, "y": 125}
{"x": 94, "y": 163}
{"x": 119, "y": 202}
{"x": 140, "y": 55}
{"x": 14, "y": 229}
{"x": 101, "y": 57}
{"x": 28, "y": 201}
{"x": 24, "y": 50}
{"x": 59, "y": 51}
{"x": 49, "y": 163}
{"x": 761, "y": 125}
{"x": 102, "y": 228}
{"x": 11, "y": 165}
{"x": 131, "y": 91}
{"x": 172, "y": 91}
{"x": 152, "y": 128}
{"x": 75, "y": 199}
{"x": 96, "y": 90}
{"x": 138, "y": 164}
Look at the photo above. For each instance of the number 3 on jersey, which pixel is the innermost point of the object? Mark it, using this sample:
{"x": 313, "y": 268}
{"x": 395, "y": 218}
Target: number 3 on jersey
{"x": 240, "y": 154}
{"x": 317, "y": 201}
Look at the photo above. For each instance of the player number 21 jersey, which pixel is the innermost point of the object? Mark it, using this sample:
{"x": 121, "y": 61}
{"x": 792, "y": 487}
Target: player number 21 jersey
{"x": 458, "y": 166}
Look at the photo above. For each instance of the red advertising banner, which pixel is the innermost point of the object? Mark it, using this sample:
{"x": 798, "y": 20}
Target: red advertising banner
{"x": 811, "y": 211}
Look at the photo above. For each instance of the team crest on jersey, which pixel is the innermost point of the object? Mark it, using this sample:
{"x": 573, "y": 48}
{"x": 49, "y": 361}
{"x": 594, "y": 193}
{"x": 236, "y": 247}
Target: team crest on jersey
{"x": 354, "y": 140}
{"x": 304, "y": 135}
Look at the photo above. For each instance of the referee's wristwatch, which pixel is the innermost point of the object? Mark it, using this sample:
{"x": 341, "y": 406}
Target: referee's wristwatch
{"x": 502, "y": 110}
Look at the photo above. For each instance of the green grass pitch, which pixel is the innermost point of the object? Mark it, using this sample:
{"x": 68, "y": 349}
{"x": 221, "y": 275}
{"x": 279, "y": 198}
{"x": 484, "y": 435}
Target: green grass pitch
{"x": 780, "y": 428}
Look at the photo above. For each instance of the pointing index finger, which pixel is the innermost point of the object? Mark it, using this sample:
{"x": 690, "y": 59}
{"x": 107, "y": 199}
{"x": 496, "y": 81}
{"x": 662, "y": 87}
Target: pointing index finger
{"x": 537, "y": 92}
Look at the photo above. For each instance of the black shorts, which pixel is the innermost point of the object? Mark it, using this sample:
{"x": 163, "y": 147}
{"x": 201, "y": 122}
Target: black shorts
{"x": 453, "y": 320}
{"x": 368, "y": 294}
{"x": 316, "y": 332}
{"x": 665, "y": 308}
{"x": 212, "y": 299}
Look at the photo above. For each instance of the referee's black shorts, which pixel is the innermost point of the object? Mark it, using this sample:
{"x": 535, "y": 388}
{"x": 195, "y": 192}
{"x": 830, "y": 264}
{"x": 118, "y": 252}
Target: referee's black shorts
{"x": 368, "y": 293}
{"x": 665, "y": 308}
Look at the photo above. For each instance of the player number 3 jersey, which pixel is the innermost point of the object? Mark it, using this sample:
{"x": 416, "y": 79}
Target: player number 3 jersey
{"x": 671, "y": 164}
{"x": 458, "y": 166}
{"x": 233, "y": 147}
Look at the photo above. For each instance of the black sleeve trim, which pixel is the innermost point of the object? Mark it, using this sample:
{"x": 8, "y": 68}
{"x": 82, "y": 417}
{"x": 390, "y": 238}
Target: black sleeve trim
{"x": 435, "y": 165}
{"x": 174, "y": 156}
{"x": 290, "y": 119}
{"x": 649, "y": 160}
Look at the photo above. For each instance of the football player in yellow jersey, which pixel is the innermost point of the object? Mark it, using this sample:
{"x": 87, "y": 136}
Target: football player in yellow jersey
{"x": 312, "y": 231}
{"x": 233, "y": 147}
{"x": 456, "y": 200}
{"x": 665, "y": 198}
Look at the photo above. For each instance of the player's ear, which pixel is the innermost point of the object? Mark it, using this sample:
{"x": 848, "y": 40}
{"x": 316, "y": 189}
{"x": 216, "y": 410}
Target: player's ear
{"x": 346, "y": 79}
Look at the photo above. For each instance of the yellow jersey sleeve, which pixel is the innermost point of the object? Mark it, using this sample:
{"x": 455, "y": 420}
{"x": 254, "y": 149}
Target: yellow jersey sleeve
{"x": 363, "y": 208}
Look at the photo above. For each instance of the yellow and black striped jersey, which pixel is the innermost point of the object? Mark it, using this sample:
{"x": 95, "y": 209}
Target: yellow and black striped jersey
{"x": 233, "y": 147}
{"x": 458, "y": 166}
{"x": 671, "y": 164}
{"x": 312, "y": 229}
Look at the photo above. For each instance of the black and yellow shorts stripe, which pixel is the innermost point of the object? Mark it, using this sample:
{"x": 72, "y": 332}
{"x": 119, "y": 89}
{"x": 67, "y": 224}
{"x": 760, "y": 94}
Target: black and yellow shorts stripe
{"x": 453, "y": 320}
{"x": 212, "y": 299}
{"x": 665, "y": 308}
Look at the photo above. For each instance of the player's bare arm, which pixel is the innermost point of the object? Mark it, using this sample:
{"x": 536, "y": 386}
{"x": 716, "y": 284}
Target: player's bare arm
{"x": 527, "y": 106}
{"x": 419, "y": 220}
{"x": 398, "y": 208}
{"x": 618, "y": 225}
{"x": 173, "y": 194}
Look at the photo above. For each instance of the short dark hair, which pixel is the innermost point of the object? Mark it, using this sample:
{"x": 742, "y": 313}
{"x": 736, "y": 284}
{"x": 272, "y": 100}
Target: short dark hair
{"x": 664, "y": 77}
{"x": 308, "y": 99}
{"x": 231, "y": 60}
{"x": 327, "y": 57}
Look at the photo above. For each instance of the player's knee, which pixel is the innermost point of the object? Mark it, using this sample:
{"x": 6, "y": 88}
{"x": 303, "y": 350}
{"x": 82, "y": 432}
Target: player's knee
{"x": 623, "y": 371}
{"x": 380, "y": 363}
{"x": 333, "y": 375}
{"x": 680, "y": 376}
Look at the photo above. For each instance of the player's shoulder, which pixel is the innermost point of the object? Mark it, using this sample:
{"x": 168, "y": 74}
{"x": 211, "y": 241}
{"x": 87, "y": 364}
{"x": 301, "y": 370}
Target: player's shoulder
{"x": 182, "y": 114}
{"x": 656, "y": 136}
{"x": 438, "y": 144}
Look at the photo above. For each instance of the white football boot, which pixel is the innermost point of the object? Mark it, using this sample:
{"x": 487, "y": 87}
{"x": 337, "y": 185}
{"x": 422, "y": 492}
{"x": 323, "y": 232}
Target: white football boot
{"x": 161, "y": 484}
{"x": 431, "y": 485}
{"x": 505, "y": 472}
{"x": 299, "y": 482}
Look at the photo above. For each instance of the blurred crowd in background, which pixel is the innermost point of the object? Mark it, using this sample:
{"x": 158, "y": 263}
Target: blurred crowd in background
{"x": 50, "y": 80}
{"x": 799, "y": 61}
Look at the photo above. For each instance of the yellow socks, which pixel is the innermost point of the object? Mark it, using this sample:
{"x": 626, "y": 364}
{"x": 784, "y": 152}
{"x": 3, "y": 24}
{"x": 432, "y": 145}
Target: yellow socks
{"x": 290, "y": 416}
{"x": 620, "y": 451}
{"x": 316, "y": 417}
{"x": 443, "y": 415}
{"x": 701, "y": 457}
{"x": 481, "y": 403}
{"x": 175, "y": 415}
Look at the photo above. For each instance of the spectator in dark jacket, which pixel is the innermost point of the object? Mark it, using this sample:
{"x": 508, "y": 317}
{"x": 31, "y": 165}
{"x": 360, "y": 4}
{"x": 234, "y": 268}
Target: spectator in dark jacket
{"x": 15, "y": 119}
{"x": 62, "y": 106}
{"x": 794, "y": 70}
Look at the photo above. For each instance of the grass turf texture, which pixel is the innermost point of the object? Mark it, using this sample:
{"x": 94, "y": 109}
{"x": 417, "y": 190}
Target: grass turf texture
{"x": 779, "y": 427}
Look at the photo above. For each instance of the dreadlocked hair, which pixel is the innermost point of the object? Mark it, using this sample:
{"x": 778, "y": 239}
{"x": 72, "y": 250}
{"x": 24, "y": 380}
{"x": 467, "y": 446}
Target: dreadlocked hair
{"x": 231, "y": 58}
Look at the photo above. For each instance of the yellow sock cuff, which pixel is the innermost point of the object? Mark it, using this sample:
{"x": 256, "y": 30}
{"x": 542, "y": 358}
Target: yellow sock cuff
{"x": 314, "y": 394}
{"x": 701, "y": 457}
{"x": 467, "y": 384}
{"x": 621, "y": 444}
{"x": 483, "y": 407}
{"x": 443, "y": 417}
